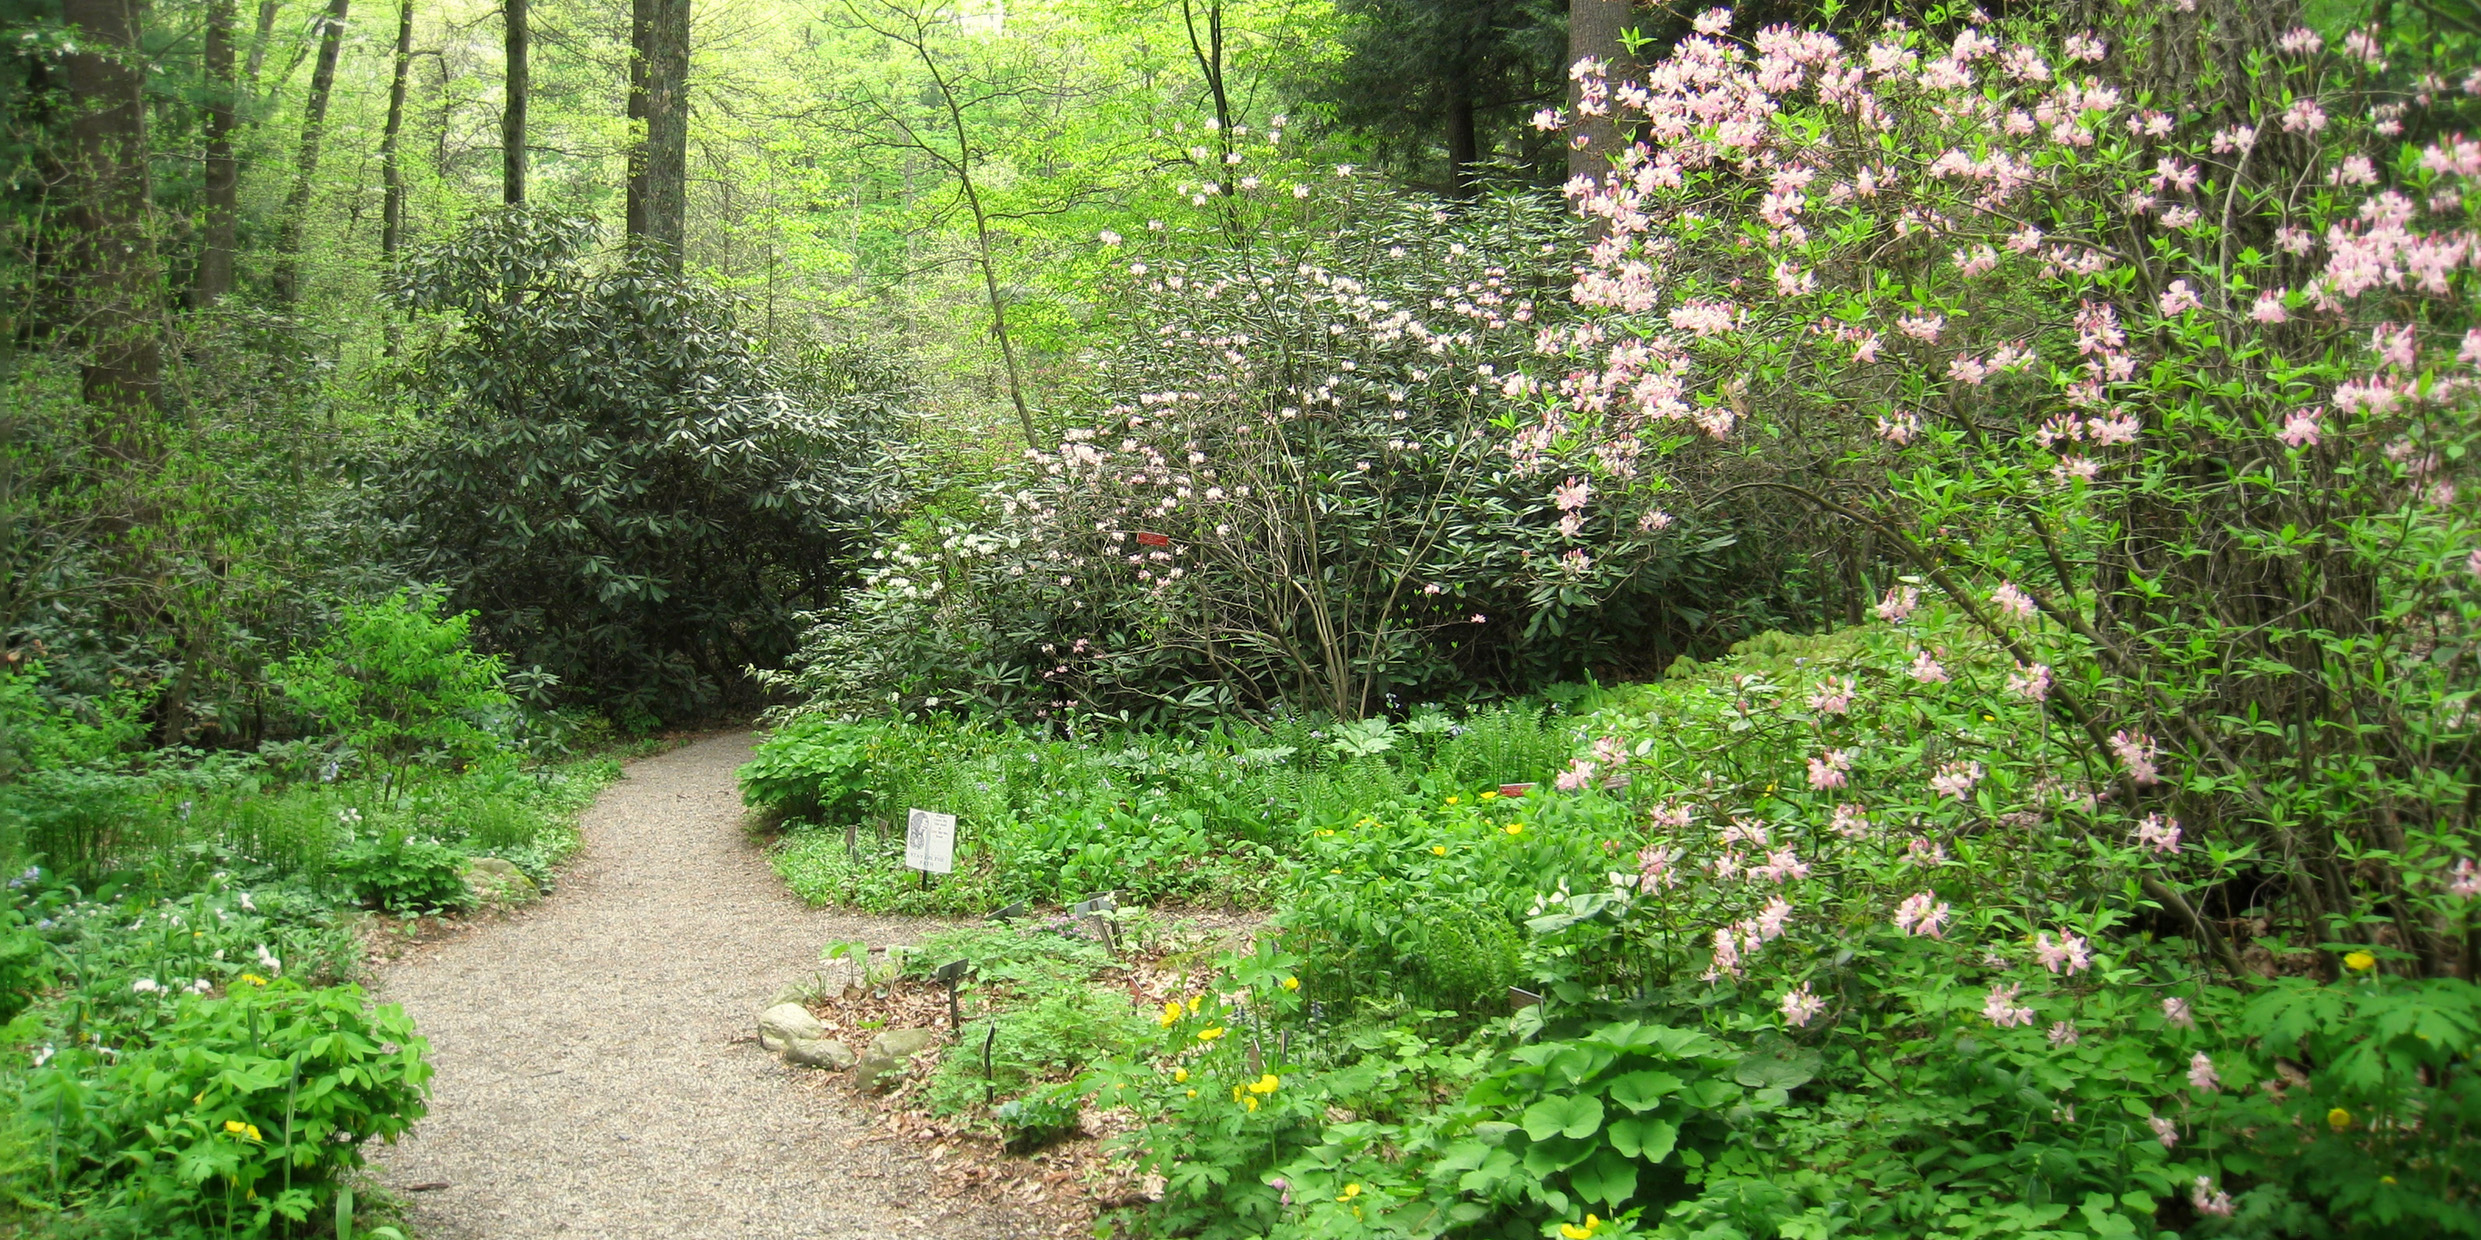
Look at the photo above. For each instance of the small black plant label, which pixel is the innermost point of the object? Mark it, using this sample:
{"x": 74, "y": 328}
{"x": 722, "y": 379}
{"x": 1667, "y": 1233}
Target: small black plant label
{"x": 1010, "y": 913}
{"x": 1520, "y": 998}
{"x": 930, "y": 842}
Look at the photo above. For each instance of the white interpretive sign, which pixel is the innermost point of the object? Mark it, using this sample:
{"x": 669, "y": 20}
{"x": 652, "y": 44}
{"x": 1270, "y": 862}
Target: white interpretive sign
{"x": 930, "y": 841}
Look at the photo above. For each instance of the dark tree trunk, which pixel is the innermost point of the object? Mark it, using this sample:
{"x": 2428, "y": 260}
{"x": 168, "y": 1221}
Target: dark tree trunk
{"x": 306, "y": 165}
{"x": 512, "y": 117}
{"x": 659, "y": 103}
{"x": 223, "y": 172}
{"x": 118, "y": 280}
{"x": 391, "y": 153}
{"x": 1464, "y": 146}
{"x": 1594, "y": 28}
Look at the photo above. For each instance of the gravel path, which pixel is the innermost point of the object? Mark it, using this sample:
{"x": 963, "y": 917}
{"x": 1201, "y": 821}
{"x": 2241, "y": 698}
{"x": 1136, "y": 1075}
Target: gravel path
{"x": 589, "y": 1078}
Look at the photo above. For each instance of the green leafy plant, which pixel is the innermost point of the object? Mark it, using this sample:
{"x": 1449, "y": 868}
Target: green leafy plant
{"x": 399, "y": 683}
{"x": 404, "y": 873}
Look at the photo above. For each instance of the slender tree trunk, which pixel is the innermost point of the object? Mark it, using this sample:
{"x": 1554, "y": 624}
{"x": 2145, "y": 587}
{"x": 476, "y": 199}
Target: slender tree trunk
{"x": 1464, "y": 146}
{"x": 223, "y": 185}
{"x": 306, "y": 165}
{"x": 258, "y": 43}
{"x": 1594, "y": 28}
{"x": 512, "y": 118}
{"x": 118, "y": 278}
{"x": 659, "y": 104}
{"x": 391, "y": 154}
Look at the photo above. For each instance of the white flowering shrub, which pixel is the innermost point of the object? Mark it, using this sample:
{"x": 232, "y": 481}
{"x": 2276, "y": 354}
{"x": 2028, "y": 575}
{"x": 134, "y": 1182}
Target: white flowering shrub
{"x": 1298, "y": 483}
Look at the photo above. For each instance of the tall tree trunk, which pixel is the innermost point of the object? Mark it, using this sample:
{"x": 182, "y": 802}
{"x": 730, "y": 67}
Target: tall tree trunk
{"x": 1464, "y": 146}
{"x": 118, "y": 280}
{"x": 659, "y": 104}
{"x": 391, "y": 154}
{"x": 1594, "y": 28}
{"x": 512, "y": 116}
{"x": 258, "y": 43}
{"x": 223, "y": 187}
{"x": 306, "y": 165}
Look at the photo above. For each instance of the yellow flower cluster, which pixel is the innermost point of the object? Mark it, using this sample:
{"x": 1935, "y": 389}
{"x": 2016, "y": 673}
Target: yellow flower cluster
{"x": 245, "y": 1131}
{"x": 1574, "y": 1232}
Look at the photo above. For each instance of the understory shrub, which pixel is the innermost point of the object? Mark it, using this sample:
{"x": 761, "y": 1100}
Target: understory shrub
{"x": 633, "y": 496}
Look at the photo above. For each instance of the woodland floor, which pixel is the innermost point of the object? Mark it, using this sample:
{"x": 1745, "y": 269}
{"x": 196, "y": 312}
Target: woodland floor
{"x": 598, "y": 1070}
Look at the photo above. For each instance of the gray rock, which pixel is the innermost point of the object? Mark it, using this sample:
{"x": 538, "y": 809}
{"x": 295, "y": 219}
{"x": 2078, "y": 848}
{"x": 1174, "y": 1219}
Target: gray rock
{"x": 876, "y": 1073}
{"x": 818, "y": 1053}
{"x": 496, "y": 880}
{"x": 903, "y": 1043}
{"x": 786, "y": 1023}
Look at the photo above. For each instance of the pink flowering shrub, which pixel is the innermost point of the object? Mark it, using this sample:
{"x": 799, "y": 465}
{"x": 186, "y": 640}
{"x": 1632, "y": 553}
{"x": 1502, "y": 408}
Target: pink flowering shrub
{"x": 2150, "y": 349}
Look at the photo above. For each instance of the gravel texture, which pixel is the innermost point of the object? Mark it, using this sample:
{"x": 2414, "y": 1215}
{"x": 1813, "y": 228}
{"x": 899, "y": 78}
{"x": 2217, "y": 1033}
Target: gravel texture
{"x": 598, "y": 1073}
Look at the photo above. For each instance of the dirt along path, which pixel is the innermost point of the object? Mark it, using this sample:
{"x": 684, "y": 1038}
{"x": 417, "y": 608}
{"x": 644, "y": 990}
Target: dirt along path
{"x": 595, "y": 1073}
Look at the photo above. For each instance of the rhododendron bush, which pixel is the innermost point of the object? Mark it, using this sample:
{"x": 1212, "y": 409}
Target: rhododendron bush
{"x": 1295, "y": 485}
{"x": 2150, "y": 349}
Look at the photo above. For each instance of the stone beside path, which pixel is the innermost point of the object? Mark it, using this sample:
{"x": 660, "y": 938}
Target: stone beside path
{"x": 597, "y": 1069}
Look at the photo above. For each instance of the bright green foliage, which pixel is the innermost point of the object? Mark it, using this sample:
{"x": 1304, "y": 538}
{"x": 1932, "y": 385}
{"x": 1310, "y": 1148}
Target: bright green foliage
{"x": 404, "y": 873}
{"x": 1200, "y": 818}
{"x": 1059, "y": 1004}
{"x": 398, "y": 683}
{"x": 240, "y": 1119}
{"x": 614, "y": 475}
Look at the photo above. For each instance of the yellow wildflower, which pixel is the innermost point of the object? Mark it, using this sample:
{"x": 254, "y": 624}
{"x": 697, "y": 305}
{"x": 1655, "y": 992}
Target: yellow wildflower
{"x": 1193, "y": 1093}
{"x": 2339, "y": 1119}
{"x": 1438, "y": 850}
{"x": 1350, "y": 1191}
{"x": 1454, "y": 800}
{"x": 254, "y": 979}
{"x": 2360, "y": 962}
{"x": 1171, "y": 1014}
{"x": 1210, "y": 1033}
{"x": 1250, "y": 1103}
{"x": 1574, "y": 1232}
{"x": 1265, "y": 1084}
{"x": 1194, "y": 1000}
{"x": 1516, "y": 828}
{"x": 1489, "y": 796}
{"x": 1180, "y": 1076}
{"x": 239, "y": 1129}
{"x": 1292, "y": 983}
{"x": 1236, "y": 1093}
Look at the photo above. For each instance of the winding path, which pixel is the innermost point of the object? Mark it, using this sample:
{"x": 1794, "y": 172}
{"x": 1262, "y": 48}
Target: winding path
{"x": 589, "y": 1079}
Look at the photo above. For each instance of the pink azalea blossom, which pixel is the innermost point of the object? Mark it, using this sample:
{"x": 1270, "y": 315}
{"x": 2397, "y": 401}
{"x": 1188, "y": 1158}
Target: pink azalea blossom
{"x": 1827, "y": 771}
{"x": 1921, "y": 914}
{"x": 1955, "y": 779}
{"x": 2269, "y": 308}
{"x": 1926, "y": 669}
{"x": 2030, "y": 683}
{"x": 1833, "y": 696}
{"x": 2013, "y": 603}
{"x": 1656, "y": 868}
{"x": 2063, "y": 1034}
{"x": 1579, "y": 773}
{"x": 1899, "y": 603}
{"x": 2179, "y": 299}
{"x": 2201, "y": 1073}
{"x": 2464, "y": 879}
{"x": 2000, "y": 1009}
{"x": 1782, "y": 865}
{"x": 2300, "y": 428}
{"x": 2165, "y": 1131}
{"x": 1800, "y": 1007}
{"x": 2071, "y": 952}
{"x": 2158, "y": 833}
{"x": 2137, "y": 754}
{"x": 2210, "y": 1200}
{"x": 1726, "y": 956}
{"x": 1671, "y": 816}
{"x": 1850, "y": 822}
{"x": 2175, "y": 1013}
{"x": 1573, "y": 495}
